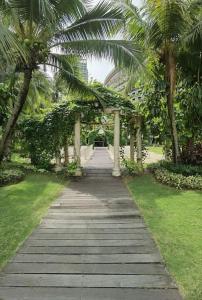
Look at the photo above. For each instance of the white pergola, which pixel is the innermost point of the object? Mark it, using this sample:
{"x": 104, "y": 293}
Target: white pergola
{"x": 77, "y": 141}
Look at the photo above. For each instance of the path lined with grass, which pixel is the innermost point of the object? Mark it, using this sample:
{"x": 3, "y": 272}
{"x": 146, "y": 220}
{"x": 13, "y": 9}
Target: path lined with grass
{"x": 22, "y": 206}
{"x": 92, "y": 245}
{"x": 175, "y": 219}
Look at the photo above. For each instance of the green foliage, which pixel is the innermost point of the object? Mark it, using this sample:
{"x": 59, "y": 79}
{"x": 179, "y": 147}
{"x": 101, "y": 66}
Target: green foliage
{"x": 189, "y": 99}
{"x": 79, "y": 30}
{"x": 192, "y": 153}
{"x": 106, "y": 135}
{"x": 131, "y": 167}
{"x": 185, "y": 170}
{"x": 71, "y": 168}
{"x": 111, "y": 99}
{"x": 177, "y": 180}
{"x": 44, "y": 138}
{"x": 5, "y": 95}
{"x": 11, "y": 176}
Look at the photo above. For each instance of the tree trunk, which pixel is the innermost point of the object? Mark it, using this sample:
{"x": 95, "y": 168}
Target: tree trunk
{"x": 18, "y": 106}
{"x": 171, "y": 86}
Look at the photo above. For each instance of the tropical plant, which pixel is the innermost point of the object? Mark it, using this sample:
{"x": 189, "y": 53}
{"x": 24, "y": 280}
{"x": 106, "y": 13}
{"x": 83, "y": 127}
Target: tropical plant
{"x": 164, "y": 27}
{"x": 57, "y": 33}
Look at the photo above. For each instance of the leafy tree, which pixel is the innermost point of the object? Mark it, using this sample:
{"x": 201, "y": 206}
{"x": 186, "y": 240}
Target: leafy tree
{"x": 55, "y": 33}
{"x": 164, "y": 26}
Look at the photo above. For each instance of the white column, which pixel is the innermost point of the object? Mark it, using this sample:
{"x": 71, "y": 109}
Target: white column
{"x": 139, "y": 142}
{"x": 77, "y": 143}
{"x": 116, "y": 169}
{"x": 132, "y": 142}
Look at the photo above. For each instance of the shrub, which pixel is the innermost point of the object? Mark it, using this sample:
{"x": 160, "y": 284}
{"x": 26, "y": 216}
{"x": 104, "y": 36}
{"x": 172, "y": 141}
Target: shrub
{"x": 186, "y": 170}
{"x": 131, "y": 167}
{"x": 192, "y": 153}
{"x": 178, "y": 180}
{"x": 11, "y": 176}
{"x": 69, "y": 170}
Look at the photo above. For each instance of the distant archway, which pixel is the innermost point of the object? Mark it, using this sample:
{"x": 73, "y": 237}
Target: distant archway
{"x": 100, "y": 141}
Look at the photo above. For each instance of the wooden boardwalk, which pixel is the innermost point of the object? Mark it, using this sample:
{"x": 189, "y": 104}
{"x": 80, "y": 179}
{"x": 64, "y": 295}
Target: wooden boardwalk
{"x": 92, "y": 245}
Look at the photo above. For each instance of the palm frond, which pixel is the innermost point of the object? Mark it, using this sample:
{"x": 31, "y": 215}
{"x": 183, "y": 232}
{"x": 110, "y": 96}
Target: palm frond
{"x": 70, "y": 63}
{"x": 99, "y": 22}
{"x": 35, "y": 10}
{"x": 166, "y": 19}
{"x": 69, "y": 11}
{"x": 9, "y": 45}
{"x": 122, "y": 53}
{"x": 64, "y": 66}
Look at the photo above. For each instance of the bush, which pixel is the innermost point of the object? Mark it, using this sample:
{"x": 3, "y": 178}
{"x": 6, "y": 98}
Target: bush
{"x": 11, "y": 176}
{"x": 131, "y": 167}
{"x": 68, "y": 171}
{"x": 192, "y": 153}
{"x": 178, "y": 180}
{"x": 186, "y": 170}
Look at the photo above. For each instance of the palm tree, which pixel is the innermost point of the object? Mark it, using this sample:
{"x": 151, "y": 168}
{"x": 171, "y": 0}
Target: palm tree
{"x": 163, "y": 26}
{"x": 55, "y": 33}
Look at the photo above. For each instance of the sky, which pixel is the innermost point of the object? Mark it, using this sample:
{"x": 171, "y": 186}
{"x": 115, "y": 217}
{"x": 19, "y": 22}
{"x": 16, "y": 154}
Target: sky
{"x": 98, "y": 69}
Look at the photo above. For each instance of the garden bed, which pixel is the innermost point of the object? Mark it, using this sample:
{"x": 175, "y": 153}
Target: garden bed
{"x": 178, "y": 175}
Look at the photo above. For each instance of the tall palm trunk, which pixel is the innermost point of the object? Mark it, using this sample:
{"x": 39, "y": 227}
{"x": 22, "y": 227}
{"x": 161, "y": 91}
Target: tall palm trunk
{"x": 171, "y": 86}
{"x": 18, "y": 106}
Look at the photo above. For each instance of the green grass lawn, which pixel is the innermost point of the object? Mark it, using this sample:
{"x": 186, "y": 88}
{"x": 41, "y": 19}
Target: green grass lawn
{"x": 156, "y": 149}
{"x": 21, "y": 209}
{"x": 175, "y": 219}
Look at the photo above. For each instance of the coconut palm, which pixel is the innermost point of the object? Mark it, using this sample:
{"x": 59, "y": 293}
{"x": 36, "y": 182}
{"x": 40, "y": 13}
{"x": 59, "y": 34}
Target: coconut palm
{"x": 55, "y": 33}
{"x": 164, "y": 26}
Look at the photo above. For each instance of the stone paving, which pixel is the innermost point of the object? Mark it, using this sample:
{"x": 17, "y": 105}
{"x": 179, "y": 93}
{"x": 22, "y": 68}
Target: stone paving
{"x": 92, "y": 245}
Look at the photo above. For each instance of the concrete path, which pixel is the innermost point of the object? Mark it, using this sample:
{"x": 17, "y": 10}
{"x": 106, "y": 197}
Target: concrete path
{"x": 92, "y": 245}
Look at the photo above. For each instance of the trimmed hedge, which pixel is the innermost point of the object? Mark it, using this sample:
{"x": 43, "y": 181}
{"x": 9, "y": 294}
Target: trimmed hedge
{"x": 178, "y": 181}
{"x": 11, "y": 176}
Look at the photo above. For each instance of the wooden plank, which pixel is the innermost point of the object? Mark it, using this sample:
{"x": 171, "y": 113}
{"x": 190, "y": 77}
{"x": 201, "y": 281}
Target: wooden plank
{"x": 87, "y": 215}
{"x": 92, "y": 230}
{"x": 94, "y": 226}
{"x": 95, "y": 201}
{"x": 41, "y": 268}
{"x": 113, "y": 258}
{"x": 87, "y": 250}
{"x": 88, "y": 236}
{"x": 41, "y": 293}
{"x": 90, "y": 211}
{"x": 98, "y": 281}
{"x": 92, "y": 221}
{"x": 89, "y": 243}
{"x": 90, "y": 207}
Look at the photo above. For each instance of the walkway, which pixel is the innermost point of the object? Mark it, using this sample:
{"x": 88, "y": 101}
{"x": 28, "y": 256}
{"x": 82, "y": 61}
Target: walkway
{"x": 92, "y": 245}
